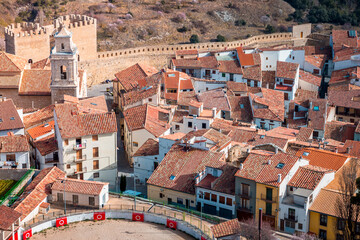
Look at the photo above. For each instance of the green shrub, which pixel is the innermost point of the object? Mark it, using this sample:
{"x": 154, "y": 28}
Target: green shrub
{"x": 194, "y": 38}
{"x": 220, "y": 38}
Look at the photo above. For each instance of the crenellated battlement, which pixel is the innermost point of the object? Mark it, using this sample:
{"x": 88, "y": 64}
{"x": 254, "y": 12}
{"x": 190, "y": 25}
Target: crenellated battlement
{"x": 74, "y": 21}
{"x": 25, "y": 29}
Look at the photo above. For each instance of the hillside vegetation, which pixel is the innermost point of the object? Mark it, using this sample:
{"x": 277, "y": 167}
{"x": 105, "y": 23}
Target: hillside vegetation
{"x": 130, "y": 23}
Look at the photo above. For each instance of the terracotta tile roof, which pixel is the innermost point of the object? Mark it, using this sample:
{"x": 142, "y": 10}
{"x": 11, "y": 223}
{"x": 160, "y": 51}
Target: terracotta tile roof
{"x": 149, "y": 148}
{"x": 46, "y": 145}
{"x": 253, "y": 73}
{"x": 240, "y": 108}
{"x": 350, "y": 148}
{"x": 345, "y": 53}
{"x": 310, "y": 78}
{"x": 214, "y": 99}
{"x": 35, "y": 82}
{"x": 344, "y": 86}
{"x": 342, "y": 37}
{"x": 225, "y": 183}
{"x": 242, "y": 135}
{"x": 283, "y": 132}
{"x": 237, "y": 86}
{"x": 11, "y": 63}
{"x": 9, "y": 117}
{"x": 308, "y": 177}
{"x": 286, "y": 70}
{"x": 344, "y": 75}
{"x": 322, "y": 158}
{"x": 227, "y": 228}
{"x": 183, "y": 166}
{"x": 15, "y": 143}
{"x": 317, "y": 114}
{"x": 40, "y": 130}
{"x": 317, "y": 60}
{"x": 209, "y": 62}
{"x": 305, "y": 134}
{"x": 36, "y": 192}
{"x": 245, "y": 59}
{"x": 350, "y": 99}
{"x": 325, "y": 202}
{"x": 42, "y": 64}
{"x": 44, "y": 205}
{"x": 230, "y": 67}
{"x": 269, "y": 174}
{"x": 315, "y": 50}
{"x": 146, "y": 117}
{"x": 222, "y": 125}
{"x": 91, "y": 104}
{"x": 253, "y": 165}
{"x": 73, "y": 122}
{"x": 260, "y": 139}
{"x": 176, "y": 80}
{"x": 179, "y": 116}
{"x": 135, "y": 95}
{"x": 79, "y": 186}
{"x": 340, "y": 131}
{"x": 187, "y": 52}
{"x": 221, "y": 140}
{"x": 274, "y": 100}
{"x": 302, "y": 96}
{"x": 268, "y": 79}
{"x": 174, "y": 136}
{"x": 8, "y": 217}
{"x": 186, "y": 97}
{"x": 130, "y": 76}
{"x": 39, "y": 116}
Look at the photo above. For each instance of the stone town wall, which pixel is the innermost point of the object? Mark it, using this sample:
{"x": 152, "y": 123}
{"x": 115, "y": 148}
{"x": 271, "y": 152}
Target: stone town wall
{"x": 110, "y": 62}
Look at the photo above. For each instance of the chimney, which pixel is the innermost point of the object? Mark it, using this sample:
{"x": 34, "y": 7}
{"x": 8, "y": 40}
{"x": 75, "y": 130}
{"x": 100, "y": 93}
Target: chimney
{"x": 348, "y": 150}
{"x": 276, "y": 150}
{"x": 214, "y": 112}
{"x": 336, "y": 150}
{"x": 241, "y": 166}
{"x": 279, "y": 178}
{"x": 269, "y": 162}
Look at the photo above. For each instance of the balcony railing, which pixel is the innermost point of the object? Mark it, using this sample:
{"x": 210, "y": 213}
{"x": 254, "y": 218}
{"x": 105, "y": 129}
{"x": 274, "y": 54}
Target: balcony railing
{"x": 79, "y": 171}
{"x": 268, "y": 199}
{"x": 290, "y": 217}
{"x": 10, "y": 163}
{"x": 242, "y": 209}
{"x": 79, "y": 158}
{"x": 244, "y": 195}
{"x": 79, "y": 146}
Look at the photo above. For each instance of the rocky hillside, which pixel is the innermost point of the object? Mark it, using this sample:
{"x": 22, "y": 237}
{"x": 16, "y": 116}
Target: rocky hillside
{"x": 129, "y": 23}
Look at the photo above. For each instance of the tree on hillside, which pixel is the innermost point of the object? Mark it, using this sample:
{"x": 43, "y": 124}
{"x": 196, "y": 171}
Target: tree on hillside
{"x": 220, "y": 38}
{"x": 194, "y": 38}
{"x": 348, "y": 202}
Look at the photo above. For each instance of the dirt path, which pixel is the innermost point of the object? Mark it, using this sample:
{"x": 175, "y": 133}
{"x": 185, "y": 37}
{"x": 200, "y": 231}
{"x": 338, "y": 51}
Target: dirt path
{"x": 111, "y": 229}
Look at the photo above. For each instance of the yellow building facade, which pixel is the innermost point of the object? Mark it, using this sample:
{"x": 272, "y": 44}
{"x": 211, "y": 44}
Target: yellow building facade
{"x": 267, "y": 198}
{"x": 168, "y": 196}
{"x": 318, "y": 227}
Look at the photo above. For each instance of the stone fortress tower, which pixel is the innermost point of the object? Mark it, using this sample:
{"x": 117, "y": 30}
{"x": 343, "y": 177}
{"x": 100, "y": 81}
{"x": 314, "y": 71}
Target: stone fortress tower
{"x": 22, "y": 39}
{"x": 66, "y": 78}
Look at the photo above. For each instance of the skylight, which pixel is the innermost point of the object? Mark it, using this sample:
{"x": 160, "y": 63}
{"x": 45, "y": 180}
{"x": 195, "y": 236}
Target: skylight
{"x": 172, "y": 177}
{"x": 316, "y": 108}
{"x": 306, "y": 154}
{"x": 280, "y": 165}
{"x": 12, "y": 118}
{"x": 171, "y": 75}
{"x": 241, "y": 105}
{"x": 93, "y": 104}
{"x": 0, "y": 120}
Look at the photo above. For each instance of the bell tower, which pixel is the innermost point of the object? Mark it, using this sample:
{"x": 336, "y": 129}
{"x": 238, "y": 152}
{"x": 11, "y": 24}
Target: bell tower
{"x": 65, "y": 79}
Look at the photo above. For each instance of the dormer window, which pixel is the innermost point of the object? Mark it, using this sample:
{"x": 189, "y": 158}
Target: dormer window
{"x": 280, "y": 165}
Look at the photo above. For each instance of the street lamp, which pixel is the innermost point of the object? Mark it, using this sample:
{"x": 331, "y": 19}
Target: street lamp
{"x": 64, "y": 181}
{"x": 134, "y": 193}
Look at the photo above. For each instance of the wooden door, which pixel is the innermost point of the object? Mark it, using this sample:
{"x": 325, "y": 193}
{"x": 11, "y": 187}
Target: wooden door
{"x": 282, "y": 224}
{"x": 78, "y": 154}
{"x": 79, "y": 167}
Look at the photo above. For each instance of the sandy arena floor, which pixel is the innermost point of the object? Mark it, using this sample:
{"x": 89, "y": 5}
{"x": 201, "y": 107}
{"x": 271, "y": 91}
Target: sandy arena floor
{"x": 111, "y": 229}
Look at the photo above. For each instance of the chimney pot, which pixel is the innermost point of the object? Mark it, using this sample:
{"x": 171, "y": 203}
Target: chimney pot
{"x": 241, "y": 166}
{"x": 279, "y": 178}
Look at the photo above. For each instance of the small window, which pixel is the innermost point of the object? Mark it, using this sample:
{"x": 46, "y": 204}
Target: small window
{"x": 12, "y": 118}
{"x": 96, "y": 175}
{"x": 266, "y": 58}
{"x": 150, "y": 99}
{"x": 66, "y": 142}
{"x": 291, "y": 189}
{"x": 161, "y": 195}
{"x": 322, "y": 234}
{"x": 172, "y": 177}
{"x": 203, "y": 125}
{"x": 177, "y": 127}
{"x": 316, "y": 108}
{"x": 68, "y": 166}
{"x": 94, "y": 137}
{"x": 214, "y": 72}
{"x": 229, "y": 202}
{"x": 300, "y": 226}
{"x": 95, "y": 152}
{"x": 241, "y": 105}
{"x": 280, "y": 165}
{"x": 180, "y": 201}
{"x": 190, "y": 124}
{"x": 207, "y": 196}
{"x": 213, "y": 197}
{"x": 10, "y": 157}
{"x": 340, "y": 224}
{"x": 293, "y": 57}
{"x": 62, "y": 46}
{"x": 323, "y": 220}
{"x": 135, "y": 144}
{"x": 221, "y": 199}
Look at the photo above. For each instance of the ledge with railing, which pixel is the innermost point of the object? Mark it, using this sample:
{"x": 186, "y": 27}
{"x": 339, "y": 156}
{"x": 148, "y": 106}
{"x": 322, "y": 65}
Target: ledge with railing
{"x": 268, "y": 198}
{"x": 78, "y": 146}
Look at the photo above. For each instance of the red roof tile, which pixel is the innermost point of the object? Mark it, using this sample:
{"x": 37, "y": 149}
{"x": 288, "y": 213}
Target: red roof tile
{"x": 137, "y": 95}
{"x": 237, "y": 86}
{"x": 308, "y": 177}
{"x": 253, "y": 73}
{"x": 350, "y": 99}
{"x": 268, "y": 79}
{"x": 46, "y": 145}
{"x": 39, "y": 116}
{"x": 230, "y": 67}
{"x": 253, "y": 165}
{"x": 15, "y": 143}
{"x": 322, "y": 158}
{"x": 9, "y": 117}
{"x": 286, "y": 70}
{"x": 8, "y": 217}
{"x": 130, "y": 76}
{"x": 79, "y": 186}
{"x": 183, "y": 166}
{"x": 310, "y": 78}
{"x": 35, "y": 82}
{"x": 240, "y": 108}
{"x": 11, "y": 63}
{"x": 341, "y": 38}
{"x": 214, "y": 99}
{"x": 42, "y": 64}
{"x": 149, "y": 148}
{"x": 245, "y": 59}
{"x": 317, "y": 114}
{"x": 274, "y": 100}
{"x": 40, "y": 130}
{"x": 316, "y": 60}
{"x": 227, "y": 228}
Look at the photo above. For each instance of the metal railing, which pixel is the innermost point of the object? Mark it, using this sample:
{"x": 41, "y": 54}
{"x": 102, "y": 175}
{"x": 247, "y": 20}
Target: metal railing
{"x": 268, "y": 198}
{"x": 186, "y": 217}
{"x": 290, "y": 217}
{"x": 79, "y": 146}
{"x": 81, "y": 158}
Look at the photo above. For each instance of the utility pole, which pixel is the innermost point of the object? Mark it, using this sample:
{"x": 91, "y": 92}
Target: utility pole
{"x": 260, "y": 222}
{"x": 134, "y": 193}
{"x": 64, "y": 181}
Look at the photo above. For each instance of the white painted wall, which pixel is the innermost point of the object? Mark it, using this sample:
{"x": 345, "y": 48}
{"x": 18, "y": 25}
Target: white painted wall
{"x": 20, "y": 158}
{"x": 308, "y": 86}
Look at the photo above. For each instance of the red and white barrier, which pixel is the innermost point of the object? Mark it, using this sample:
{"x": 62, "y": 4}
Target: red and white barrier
{"x": 98, "y": 216}
{"x": 27, "y": 234}
{"x": 61, "y": 221}
{"x": 171, "y": 224}
{"x": 139, "y": 217}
